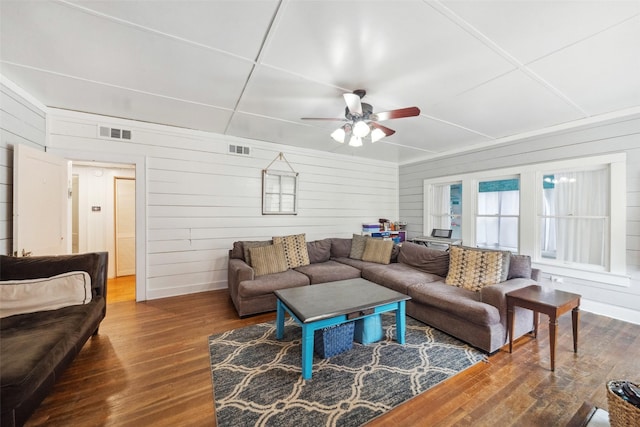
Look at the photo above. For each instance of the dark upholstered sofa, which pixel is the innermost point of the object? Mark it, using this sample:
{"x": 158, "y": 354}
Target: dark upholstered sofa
{"x": 476, "y": 317}
{"x": 35, "y": 347}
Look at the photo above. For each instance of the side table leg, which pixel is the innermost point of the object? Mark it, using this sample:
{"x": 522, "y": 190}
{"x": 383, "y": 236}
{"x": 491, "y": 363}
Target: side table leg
{"x": 307, "y": 351}
{"x": 279, "y": 320}
{"x": 536, "y": 319}
{"x": 575, "y": 319}
{"x": 553, "y": 324}
{"x": 510, "y": 325}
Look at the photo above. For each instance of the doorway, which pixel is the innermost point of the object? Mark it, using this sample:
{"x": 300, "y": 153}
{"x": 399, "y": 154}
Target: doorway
{"x": 104, "y": 216}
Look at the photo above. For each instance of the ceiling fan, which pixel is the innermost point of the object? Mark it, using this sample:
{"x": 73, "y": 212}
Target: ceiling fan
{"x": 362, "y": 122}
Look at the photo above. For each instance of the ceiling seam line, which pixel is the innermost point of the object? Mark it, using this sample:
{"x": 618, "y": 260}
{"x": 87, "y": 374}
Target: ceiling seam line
{"x": 482, "y": 38}
{"x": 276, "y": 17}
{"x": 152, "y": 30}
{"x": 55, "y": 73}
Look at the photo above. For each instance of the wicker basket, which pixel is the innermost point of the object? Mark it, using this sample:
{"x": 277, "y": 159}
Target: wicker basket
{"x": 333, "y": 340}
{"x": 621, "y": 412}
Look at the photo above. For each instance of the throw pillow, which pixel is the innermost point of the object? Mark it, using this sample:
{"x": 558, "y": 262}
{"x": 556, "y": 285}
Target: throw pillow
{"x": 376, "y": 250}
{"x": 519, "y": 267}
{"x": 49, "y": 293}
{"x": 319, "y": 251}
{"x": 429, "y": 260}
{"x": 295, "y": 249}
{"x": 268, "y": 259}
{"x": 358, "y": 243}
{"x": 252, "y": 244}
{"x": 473, "y": 269}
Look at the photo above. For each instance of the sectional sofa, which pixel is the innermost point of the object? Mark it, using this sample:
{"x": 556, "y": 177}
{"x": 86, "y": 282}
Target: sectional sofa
{"x": 440, "y": 298}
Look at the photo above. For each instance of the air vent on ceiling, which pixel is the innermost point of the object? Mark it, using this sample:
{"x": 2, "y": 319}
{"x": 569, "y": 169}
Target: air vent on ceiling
{"x": 114, "y": 133}
{"x": 241, "y": 150}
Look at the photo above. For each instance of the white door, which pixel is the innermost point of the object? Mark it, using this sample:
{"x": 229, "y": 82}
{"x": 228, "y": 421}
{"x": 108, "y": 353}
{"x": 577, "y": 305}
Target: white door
{"x": 40, "y": 202}
{"x": 125, "y": 219}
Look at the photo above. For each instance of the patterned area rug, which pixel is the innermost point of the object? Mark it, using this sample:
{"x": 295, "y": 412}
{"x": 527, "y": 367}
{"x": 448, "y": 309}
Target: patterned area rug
{"x": 257, "y": 379}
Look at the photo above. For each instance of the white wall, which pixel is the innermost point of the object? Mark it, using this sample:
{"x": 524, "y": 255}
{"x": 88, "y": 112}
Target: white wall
{"x": 615, "y": 136}
{"x": 199, "y": 199}
{"x": 22, "y": 121}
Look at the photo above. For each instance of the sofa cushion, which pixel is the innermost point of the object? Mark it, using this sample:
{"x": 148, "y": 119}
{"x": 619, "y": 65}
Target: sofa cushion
{"x": 396, "y": 276}
{"x": 425, "y": 259}
{"x": 328, "y": 271}
{"x": 358, "y": 243}
{"x": 519, "y": 267}
{"x": 268, "y": 259}
{"x": 319, "y": 250}
{"x": 473, "y": 268}
{"x": 458, "y": 301}
{"x": 378, "y": 251}
{"x": 340, "y": 247}
{"x": 51, "y": 293}
{"x": 268, "y": 283}
{"x": 35, "y": 344}
{"x": 295, "y": 249}
{"x": 246, "y": 245}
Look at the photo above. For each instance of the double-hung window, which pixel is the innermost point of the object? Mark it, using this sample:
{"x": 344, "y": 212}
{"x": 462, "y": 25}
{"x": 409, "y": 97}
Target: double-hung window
{"x": 445, "y": 208}
{"x": 497, "y": 217}
{"x": 574, "y": 216}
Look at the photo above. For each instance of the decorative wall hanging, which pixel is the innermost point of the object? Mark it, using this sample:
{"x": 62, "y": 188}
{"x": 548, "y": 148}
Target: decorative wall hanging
{"x": 279, "y": 190}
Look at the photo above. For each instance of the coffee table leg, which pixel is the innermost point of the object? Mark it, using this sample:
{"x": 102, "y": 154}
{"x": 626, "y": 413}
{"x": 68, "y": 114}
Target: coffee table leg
{"x": 553, "y": 324}
{"x": 401, "y": 324}
{"x": 307, "y": 351}
{"x": 279, "y": 320}
{"x": 575, "y": 319}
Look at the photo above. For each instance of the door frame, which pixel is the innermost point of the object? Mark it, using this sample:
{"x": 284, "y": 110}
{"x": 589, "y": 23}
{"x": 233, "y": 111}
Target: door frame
{"x": 115, "y": 216}
{"x": 141, "y": 205}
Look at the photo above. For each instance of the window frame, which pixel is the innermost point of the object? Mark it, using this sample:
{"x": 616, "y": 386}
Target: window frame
{"x": 266, "y": 208}
{"x": 476, "y": 206}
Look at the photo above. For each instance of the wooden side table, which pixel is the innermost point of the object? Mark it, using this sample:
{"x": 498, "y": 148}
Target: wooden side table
{"x": 548, "y": 301}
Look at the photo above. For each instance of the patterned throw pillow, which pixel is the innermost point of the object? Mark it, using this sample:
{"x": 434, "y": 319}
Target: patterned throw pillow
{"x": 358, "y": 243}
{"x": 473, "y": 269}
{"x": 295, "y": 249}
{"x": 268, "y": 259}
{"x": 376, "y": 250}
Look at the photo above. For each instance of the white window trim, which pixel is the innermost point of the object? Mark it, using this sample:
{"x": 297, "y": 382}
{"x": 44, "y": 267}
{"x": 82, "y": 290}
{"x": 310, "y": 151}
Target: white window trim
{"x": 530, "y": 176}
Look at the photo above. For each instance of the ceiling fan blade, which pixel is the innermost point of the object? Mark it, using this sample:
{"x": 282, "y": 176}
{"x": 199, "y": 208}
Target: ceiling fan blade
{"x": 353, "y": 103}
{"x": 323, "y": 118}
{"x": 396, "y": 114}
{"x": 386, "y": 130}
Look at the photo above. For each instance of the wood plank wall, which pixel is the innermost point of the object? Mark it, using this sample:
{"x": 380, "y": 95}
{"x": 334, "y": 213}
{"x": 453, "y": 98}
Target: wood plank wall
{"x": 200, "y": 199}
{"x": 21, "y": 122}
{"x": 618, "y": 136}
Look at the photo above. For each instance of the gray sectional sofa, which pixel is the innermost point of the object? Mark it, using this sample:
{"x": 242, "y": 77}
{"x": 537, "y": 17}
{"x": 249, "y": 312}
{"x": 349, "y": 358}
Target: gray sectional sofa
{"x": 476, "y": 317}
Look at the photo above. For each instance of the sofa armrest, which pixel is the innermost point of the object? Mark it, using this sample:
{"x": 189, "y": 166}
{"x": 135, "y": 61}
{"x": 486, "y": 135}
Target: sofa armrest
{"x": 238, "y": 271}
{"x": 496, "y": 294}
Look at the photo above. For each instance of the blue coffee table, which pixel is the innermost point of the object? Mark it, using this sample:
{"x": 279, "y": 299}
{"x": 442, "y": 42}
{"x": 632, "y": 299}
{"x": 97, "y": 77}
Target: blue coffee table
{"x": 320, "y": 306}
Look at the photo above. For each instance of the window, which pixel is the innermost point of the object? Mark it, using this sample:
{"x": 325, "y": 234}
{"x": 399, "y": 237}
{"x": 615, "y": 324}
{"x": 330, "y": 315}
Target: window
{"x": 279, "y": 193}
{"x": 574, "y": 219}
{"x": 446, "y": 208}
{"x": 497, "y": 217}
{"x": 568, "y": 215}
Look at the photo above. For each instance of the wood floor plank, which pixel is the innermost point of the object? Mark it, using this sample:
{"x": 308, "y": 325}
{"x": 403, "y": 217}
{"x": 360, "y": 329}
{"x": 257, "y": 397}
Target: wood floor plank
{"x": 149, "y": 366}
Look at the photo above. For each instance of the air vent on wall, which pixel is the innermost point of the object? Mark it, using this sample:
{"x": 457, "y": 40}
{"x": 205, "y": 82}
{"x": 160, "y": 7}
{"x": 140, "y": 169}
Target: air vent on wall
{"x": 239, "y": 150}
{"x": 114, "y": 133}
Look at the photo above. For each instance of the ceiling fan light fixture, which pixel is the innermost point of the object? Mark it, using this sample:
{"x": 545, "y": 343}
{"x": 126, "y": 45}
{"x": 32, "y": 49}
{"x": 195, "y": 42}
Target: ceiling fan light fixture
{"x": 355, "y": 141}
{"x": 339, "y": 135}
{"x": 361, "y": 129}
{"x": 377, "y": 135}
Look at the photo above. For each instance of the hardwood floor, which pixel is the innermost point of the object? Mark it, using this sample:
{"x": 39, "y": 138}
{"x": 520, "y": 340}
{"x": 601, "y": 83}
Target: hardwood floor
{"x": 149, "y": 366}
{"x": 121, "y": 288}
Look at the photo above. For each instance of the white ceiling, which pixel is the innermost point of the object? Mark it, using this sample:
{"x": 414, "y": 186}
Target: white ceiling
{"x": 480, "y": 71}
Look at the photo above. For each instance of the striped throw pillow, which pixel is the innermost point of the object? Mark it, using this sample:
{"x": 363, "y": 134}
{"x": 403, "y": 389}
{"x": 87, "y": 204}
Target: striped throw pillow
{"x": 268, "y": 259}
